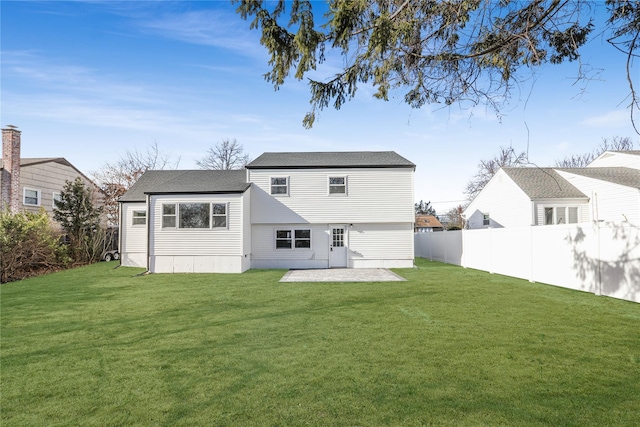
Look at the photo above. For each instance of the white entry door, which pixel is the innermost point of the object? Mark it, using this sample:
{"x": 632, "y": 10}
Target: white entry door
{"x": 338, "y": 247}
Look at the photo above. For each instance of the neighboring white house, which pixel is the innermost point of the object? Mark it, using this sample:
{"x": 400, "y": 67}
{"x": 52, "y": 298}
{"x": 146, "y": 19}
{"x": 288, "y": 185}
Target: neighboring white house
{"x": 286, "y": 210}
{"x": 608, "y": 189}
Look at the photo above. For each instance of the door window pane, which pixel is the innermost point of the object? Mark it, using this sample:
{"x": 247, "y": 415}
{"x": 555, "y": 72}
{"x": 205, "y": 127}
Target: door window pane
{"x": 338, "y": 237}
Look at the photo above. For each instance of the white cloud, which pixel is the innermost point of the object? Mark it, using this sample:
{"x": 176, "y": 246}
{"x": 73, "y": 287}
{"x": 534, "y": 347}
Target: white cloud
{"x": 610, "y": 119}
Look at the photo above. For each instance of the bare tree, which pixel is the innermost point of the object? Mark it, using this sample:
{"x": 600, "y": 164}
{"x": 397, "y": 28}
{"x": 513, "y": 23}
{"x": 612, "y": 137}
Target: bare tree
{"x": 507, "y": 157}
{"x": 226, "y": 155}
{"x": 115, "y": 178}
{"x": 454, "y": 218}
{"x": 616, "y": 143}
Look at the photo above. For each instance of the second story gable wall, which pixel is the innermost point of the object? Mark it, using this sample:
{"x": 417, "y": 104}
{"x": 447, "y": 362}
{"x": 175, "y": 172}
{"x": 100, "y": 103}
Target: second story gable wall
{"x": 503, "y": 201}
{"x": 46, "y": 179}
{"x": 372, "y": 195}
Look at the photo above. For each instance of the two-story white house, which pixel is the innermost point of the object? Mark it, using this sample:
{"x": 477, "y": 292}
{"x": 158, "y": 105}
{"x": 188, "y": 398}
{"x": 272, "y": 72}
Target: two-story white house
{"x": 286, "y": 210}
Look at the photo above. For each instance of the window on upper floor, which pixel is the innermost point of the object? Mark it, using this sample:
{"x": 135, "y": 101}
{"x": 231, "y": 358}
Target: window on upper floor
{"x": 486, "y": 219}
{"x": 280, "y": 186}
{"x": 338, "y": 185}
{"x": 55, "y": 198}
{"x": 139, "y": 218}
{"x": 31, "y": 197}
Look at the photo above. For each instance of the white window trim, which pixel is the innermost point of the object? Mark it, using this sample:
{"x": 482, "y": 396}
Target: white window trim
{"x": 211, "y": 215}
{"x": 278, "y": 194}
{"x": 53, "y": 198}
{"x": 226, "y": 216}
{"x": 329, "y": 185}
{"x": 488, "y": 219}
{"x": 174, "y": 215}
{"x": 554, "y": 218}
{"x": 24, "y": 196}
{"x": 293, "y": 238}
{"x": 134, "y": 217}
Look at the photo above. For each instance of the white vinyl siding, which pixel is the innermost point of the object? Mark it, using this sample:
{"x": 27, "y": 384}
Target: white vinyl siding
{"x": 619, "y": 159}
{"x": 374, "y": 245}
{"x": 381, "y": 245}
{"x": 608, "y": 201}
{"x": 503, "y": 201}
{"x": 264, "y": 253}
{"x": 197, "y": 241}
{"x": 133, "y": 250}
{"x": 391, "y": 189}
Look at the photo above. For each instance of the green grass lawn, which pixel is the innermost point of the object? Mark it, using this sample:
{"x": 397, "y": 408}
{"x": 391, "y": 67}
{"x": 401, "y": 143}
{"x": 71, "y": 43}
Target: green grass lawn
{"x": 98, "y": 346}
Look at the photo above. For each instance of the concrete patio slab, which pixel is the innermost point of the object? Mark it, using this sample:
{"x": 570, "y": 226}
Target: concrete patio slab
{"x": 342, "y": 275}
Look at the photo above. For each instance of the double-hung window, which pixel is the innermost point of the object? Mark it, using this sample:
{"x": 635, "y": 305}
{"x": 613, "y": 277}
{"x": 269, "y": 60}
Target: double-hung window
{"x": 486, "y": 219}
{"x": 55, "y": 198}
{"x": 219, "y": 215}
{"x": 280, "y": 186}
{"x": 338, "y": 185}
{"x": 139, "y": 218}
{"x": 293, "y": 239}
{"x": 195, "y": 215}
{"x": 169, "y": 216}
{"x": 31, "y": 197}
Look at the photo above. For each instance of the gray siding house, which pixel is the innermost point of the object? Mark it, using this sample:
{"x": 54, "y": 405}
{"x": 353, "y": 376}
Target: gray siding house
{"x": 31, "y": 184}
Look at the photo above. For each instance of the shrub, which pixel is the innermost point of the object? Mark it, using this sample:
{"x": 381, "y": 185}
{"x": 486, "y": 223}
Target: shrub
{"x": 29, "y": 246}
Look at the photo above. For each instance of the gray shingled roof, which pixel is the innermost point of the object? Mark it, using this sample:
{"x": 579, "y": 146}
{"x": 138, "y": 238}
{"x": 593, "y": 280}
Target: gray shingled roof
{"x": 617, "y": 175}
{"x": 186, "y": 182}
{"x": 347, "y": 159}
{"x": 543, "y": 183}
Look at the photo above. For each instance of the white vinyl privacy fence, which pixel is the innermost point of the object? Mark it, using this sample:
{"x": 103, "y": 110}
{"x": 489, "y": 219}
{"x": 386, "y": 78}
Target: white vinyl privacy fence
{"x": 602, "y": 258}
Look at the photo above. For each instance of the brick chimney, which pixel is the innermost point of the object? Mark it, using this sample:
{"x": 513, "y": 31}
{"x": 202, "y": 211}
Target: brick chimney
{"x": 10, "y": 179}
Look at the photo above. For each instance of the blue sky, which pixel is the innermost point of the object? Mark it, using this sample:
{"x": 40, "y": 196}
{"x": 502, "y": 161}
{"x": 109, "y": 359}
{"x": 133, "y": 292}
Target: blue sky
{"x": 90, "y": 80}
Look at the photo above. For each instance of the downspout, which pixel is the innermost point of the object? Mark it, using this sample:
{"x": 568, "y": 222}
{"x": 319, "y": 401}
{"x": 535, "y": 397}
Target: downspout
{"x": 148, "y": 234}
{"x": 120, "y": 232}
